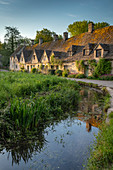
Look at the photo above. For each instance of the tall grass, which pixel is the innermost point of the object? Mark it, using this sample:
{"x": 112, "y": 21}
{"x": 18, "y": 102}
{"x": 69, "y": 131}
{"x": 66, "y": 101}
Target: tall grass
{"x": 32, "y": 98}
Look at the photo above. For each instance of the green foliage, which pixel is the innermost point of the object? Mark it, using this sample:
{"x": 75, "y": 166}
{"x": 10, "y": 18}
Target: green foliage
{"x": 80, "y": 65}
{"x": 33, "y": 98}
{"x": 72, "y": 75}
{"x": 79, "y": 27}
{"x": 52, "y": 59}
{"x": 46, "y": 34}
{"x": 33, "y": 70}
{"x": 111, "y": 115}
{"x": 58, "y": 72}
{"x": 11, "y": 38}
{"x": 51, "y": 71}
{"x": 92, "y": 64}
{"x": 41, "y": 67}
{"x": 65, "y": 73}
{"x": 100, "y": 25}
{"x": 103, "y": 67}
{"x": 80, "y": 76}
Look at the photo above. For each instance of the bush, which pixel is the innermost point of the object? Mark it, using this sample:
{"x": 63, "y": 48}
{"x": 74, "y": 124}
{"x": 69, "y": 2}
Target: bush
{"x": 103, "y": 67}
{"x": 33, "y": 70}
{"x": 80, "y": 76}
{"x": 106, "y": 77}
{"x": 90, "y": 77}
{"x": 72, "y": 75}
{"x": 65, "y": 73}
{"x": 51, "y": 72}
{"x": 58, "y": 72}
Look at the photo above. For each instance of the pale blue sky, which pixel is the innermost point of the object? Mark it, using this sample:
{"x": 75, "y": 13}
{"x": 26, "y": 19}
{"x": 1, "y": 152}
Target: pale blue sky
{"x": 32, "y": 15}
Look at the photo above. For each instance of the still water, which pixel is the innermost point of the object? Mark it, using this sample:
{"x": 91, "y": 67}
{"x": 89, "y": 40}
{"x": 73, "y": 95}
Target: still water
{"x": 64, "y": 144}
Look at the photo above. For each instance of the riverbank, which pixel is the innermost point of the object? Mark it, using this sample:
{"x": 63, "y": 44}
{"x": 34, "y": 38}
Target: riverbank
{"x": 102, "y": 154}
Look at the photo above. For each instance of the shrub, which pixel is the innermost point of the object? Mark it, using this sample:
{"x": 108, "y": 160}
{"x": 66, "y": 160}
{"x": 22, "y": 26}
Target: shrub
{"x": 33, "y": 70}
{"x": 51, "y": 72}
{"x": 72, "y": 75}
{"x": 106, "y": 77}
{"x": 58, "y": 72}
{"x": 103, "y": 67}
{"x": 111, "y": 115}
{"x": 80, "y": 76}
{"x": 90, "y": 77}
{"x": 65, "y": 73}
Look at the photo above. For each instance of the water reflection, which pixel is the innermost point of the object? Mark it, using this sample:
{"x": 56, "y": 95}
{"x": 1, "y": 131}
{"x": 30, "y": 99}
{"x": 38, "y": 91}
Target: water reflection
{"x": 58, "y": 144}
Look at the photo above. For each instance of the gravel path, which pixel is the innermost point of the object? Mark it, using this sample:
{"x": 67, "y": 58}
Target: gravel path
{"x": 99, "y": 82}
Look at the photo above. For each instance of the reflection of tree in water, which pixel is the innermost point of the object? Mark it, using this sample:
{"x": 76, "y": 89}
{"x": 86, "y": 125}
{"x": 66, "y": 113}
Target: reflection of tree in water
{"x": 23, "y": 146}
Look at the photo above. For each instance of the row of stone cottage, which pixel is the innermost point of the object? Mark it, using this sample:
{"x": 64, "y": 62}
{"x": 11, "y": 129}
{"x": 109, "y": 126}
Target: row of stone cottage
{"x": 63, "y": 54}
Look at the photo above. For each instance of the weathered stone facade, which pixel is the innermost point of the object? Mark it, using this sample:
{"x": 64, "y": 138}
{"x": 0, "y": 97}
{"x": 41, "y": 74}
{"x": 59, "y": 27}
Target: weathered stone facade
{"x": 63, "y": 54}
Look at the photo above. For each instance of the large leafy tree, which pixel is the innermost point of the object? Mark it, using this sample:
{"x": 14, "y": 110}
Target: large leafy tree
{"x": 46, "y": 34}
{"x": 79, "y": 27}
{"x": 11, "y": 38}
{"x": 100, "y": 25}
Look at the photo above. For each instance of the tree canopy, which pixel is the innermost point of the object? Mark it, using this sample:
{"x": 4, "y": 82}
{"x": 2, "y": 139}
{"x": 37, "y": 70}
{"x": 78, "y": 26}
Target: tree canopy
{"x": 46, "y": 34}
{"x": 12, "y": 37}
{"x": 79, "y": 27}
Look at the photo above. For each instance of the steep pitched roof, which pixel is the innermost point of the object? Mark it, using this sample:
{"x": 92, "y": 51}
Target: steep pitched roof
{"x": 90, "y": 46}
{"x": 27, "y": 55}
{"x": 18, "y": 50}
{"x": 48, "y": 52}
{"x": 18, "y": 56}
{"x": 103, "y": 35}
{"x": 39, "y": 54}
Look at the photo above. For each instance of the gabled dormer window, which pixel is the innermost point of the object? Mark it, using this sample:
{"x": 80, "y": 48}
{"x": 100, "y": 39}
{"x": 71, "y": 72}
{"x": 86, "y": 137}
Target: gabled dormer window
{"x": 85, "y": 52}
{"x": 98, "y": 53}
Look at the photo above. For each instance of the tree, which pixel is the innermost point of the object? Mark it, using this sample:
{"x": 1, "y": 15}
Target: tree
{"x": 46, "y": 34}
{"x": 79, "y": 27}
{"x": 100, "y": 25}
{"x": 11, "y": 38}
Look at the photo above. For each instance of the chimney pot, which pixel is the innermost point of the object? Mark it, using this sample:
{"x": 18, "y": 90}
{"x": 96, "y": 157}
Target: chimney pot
{"x": 40, "y": 41}
{"x": 65, "y": 36}
{"x": 90, "y": 27}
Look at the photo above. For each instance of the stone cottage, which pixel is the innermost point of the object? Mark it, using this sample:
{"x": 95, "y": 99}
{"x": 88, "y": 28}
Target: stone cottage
{"x": 63, "y": 54}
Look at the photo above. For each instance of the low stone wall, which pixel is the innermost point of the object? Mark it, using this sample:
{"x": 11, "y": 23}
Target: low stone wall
{"x": 111, "y": 105}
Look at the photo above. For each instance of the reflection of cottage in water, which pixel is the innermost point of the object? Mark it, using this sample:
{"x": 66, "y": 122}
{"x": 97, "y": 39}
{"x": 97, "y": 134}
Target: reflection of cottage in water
{"x": 89, "y": 109}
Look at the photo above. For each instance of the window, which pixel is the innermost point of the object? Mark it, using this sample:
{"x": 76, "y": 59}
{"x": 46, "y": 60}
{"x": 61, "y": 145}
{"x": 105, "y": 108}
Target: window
{"x": 52, "y": 67}
{"x": 57, "y": 67}
{"x": 98, "y": 53}
{"x": 16, "y": 66}
{"x": 31, "y": 66}
{"x": 28, "y": 68}
{"x": 65, "y": 67}
{"x": 86, "y": 52}
{"x": 34, "y": 57}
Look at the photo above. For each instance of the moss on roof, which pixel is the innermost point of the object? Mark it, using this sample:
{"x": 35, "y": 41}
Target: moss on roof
{"x": 103, "y": 35}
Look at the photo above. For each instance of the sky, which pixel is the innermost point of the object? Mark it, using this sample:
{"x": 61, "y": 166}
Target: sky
{"x": 28, "y": 16}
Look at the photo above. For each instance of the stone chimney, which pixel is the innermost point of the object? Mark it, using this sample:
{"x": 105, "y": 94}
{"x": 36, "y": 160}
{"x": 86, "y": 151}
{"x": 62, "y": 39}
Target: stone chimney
{"x": 32, "y": 42}
{"x": 65, "y": 36}
{"x": 90, "y": 27}
{"x": 40, "y": 41}
{"x": 55, "y": 37}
